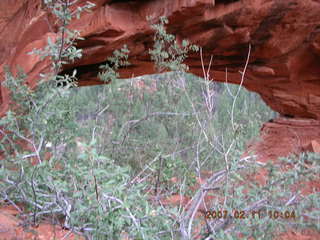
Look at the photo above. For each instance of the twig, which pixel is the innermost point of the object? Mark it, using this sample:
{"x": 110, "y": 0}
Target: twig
{"x": 242, "y": 79}
{"x": 34, "y": 196}
{"x": 96, "y": 187}
{"x": 158, "y": 176}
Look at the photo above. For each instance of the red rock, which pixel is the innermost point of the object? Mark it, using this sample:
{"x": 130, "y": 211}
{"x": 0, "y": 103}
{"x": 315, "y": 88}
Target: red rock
{"x": 11, "y": 227}
{"x": 313, "y": 146}
{"x": 307, "y": 234}
{"x": 175, "y": 200}
{"x": 285, "y": 136}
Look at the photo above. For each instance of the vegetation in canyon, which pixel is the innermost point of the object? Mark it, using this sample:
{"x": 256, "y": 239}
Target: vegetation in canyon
{"x": 105, "y": 161}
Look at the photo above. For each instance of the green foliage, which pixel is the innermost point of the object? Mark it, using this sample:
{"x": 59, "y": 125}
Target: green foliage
{"x": 278, "y": 195}
{"x": 61, "y": 50}
{"x": 167, "y": 53}
{"x": 92, "y": 191}
{"x": 140, "y": 124}
{"x": 110, "y": 69}
{"x": 43, "y": 112}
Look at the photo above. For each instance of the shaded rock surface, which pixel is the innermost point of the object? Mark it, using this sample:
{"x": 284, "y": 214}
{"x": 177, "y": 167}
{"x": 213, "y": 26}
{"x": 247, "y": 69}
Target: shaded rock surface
{"x": 284, "y": 37}
{"x": 285, "y": 136}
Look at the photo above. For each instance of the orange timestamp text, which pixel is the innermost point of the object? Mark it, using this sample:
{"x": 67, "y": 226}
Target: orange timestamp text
{"x": 241, "y": 214}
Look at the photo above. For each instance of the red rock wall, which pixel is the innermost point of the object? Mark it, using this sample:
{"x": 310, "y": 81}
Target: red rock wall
{"x": 284, "y": 64}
